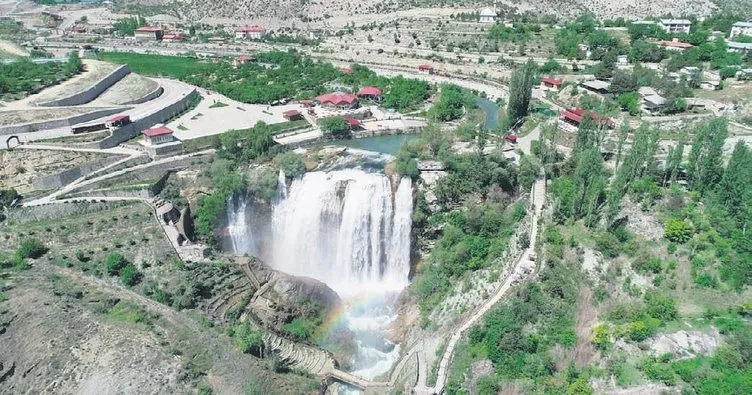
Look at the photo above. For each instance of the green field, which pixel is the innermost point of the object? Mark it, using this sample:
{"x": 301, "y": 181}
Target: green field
{"x": 157, "y": 65}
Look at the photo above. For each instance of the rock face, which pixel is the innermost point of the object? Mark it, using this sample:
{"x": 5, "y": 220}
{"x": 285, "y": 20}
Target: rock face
{"x": 282, "y": 298}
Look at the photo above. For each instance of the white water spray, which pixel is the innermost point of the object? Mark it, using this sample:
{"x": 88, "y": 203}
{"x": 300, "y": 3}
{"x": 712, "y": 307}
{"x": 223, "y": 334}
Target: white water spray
{"x": 347, "y": 229}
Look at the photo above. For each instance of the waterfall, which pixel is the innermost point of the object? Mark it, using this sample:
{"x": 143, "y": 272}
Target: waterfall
{"x": 347, "y": 229}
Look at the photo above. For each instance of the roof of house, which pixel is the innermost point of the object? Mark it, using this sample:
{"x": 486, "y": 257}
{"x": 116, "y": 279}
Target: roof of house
{"x": 244, "y": 58}
{"x": 657, "y": 100}
{"x": 353, "y": 122}
{"x": 552, "y": 81}
{"x": 646, "y": 91}
{"x": 158, "y": 131}
{"x": 337, "y": 98}
{"x": 251, "y": 29}
{"x": 369, "y": 91}
{"x": 117, "y": 118}
{"x": 738, "y": 45}
{"x": 425, "y": 67}
{"x": 596, "y": 84}
{"x": 487, "y": 12}
{"x": 346, "y": 71}
{"x": 674, "y": 44}
{"x": 676, "y": 22}
{"x": 150, "y": 29}
{"x": 291, "y": 113}
{"x": 577, "y": 114}
{"x": 742, "y": 24}
{"x": 173, "y": 37}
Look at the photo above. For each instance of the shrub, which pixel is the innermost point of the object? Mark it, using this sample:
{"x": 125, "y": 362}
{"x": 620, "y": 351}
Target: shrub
{"x": 601, "y": 340}
{"x": 114, "y": 263}
{"x": 677, "y": 231}
{"x": 31, "y": 248}
{"x": 581, "y": 386}
{"x": 640, "y": 330}
{"x": 299, "y": 329}
{"x": 607, "y": 244}
{"x": 660, "y": 306}
{"x": 129, "y": 275}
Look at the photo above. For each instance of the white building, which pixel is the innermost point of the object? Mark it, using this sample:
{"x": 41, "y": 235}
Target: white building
{"x": 250, "y": 32}
{"x": 742, "y": 48}
{"x": 487, "y": 15}
{"x": 741, "y": 28}
{"x": 675, "y": 25}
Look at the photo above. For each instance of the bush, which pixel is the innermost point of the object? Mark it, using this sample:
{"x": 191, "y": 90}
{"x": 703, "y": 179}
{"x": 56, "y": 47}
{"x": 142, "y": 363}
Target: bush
{"x": 114, "y": 263}
{"x": 608, "y": 244}
{"x": 129, "y": 275}
{"x": 291, "y": 164}
{"x": 31, "y": 248}
{"x": 601, "y": 339}
{"x": 641, "y": 330}
{"x": 677, "y": 231}
{"x": 300, "y": 329}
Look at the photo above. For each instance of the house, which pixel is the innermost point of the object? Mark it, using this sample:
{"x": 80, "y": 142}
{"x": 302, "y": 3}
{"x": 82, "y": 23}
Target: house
{"x": 689, "y": 70}
{"x": 653, "y": 103}
{"x": 425, "y": 68}
{"x": 242, "y": 59}
{"x": 741, "y": 48}
{"x": 338, "y": 100}
{"x": 250, "y": 33}
{"x": 78, "y": 29}
{"x": 158, "y": 135}
{"x": 346, "y": 71}
{"x": 487, "y": 15}
{"x": 173, "y": 38}
{"x": 551, "y": 84}
{"x": 596, "y": 86}
{"x": 711, "y": 85}
{"x": 674, "y": 45}
{"x": 370, "y": 93}
{"x": 149, "y": 33}
{"x": 117, "y": 121}
{"x": 307, "y": 103}
{"x": 741, "y": 29}
{"x": 675, "y": 25}
{"x": 573, "y": 117}
{"x": 744, "y": 74}
{"x": 353, "y": 123}
{"x": 292, "y": 115}
{"x": 646, "y": 91}
{"x": 711, "y": 75}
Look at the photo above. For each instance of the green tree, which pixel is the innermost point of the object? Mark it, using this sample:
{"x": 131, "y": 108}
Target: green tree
{"x": 129, "y": 275}
{"x": 677, "y": 231}
{"x": 335, "y": 127}
{"x": 705, "y": 165}
{"x": 520, "y": 92}
{"x": 31, "y": 248}
{"x": 630, "y": 102}
{"x": 291, "y": 164}
{"x": 581, "y": 386}
{"x": 114, "y": 263}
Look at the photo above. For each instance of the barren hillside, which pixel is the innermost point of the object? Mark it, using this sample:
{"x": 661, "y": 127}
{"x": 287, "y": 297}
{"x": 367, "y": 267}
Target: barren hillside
{"x": 324, "y": 9}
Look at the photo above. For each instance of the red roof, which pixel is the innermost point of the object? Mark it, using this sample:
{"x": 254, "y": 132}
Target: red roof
{"x": 551, "y": 81}
{"x": 337, "y": 98}
{"x": 291, "y": 113}
{"x": 346, "y": 71}
{"x": 576, "y": 115}
{"x": 158, "y": 131}
{"x": 353, "y": 122}
{"x": 306, "y": 102}
{"x": 176, "y": 37}
{"x": 674, "y": 44}
{"x": 244, "y": 58}
{"x": 369, "y": 91}
{"x": 118, "y": 118}
{"x": 425, "y": 67}
{"x": 251, "y": 29}
{"x": 149, "y": 29}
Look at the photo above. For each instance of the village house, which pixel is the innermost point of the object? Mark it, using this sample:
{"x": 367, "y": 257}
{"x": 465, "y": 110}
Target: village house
{"x": 241, "y": 60}
{"x": 675, "y": 25}
{"x": 370, "y": 93}
{"x": 250, "y": 33}
{"x": 741, "y": 29}
{"x": 741, "y": 48}
{"x": 425, "y": 68}
{"x": 346, "y": 71}
{"x": 173, "y": 38}
{"x": 159, "y": 140}
{"x": 571, "y": 118}
{"x": 596, "y": 86}
{"x": 674, "y": 45}
{"x": 149, "y": 33}
{"x": 338, "y": 100}
{"x": 487, "y": 15}
{"x": 711, "y": 85}
{"x": 78, "y": 29}
{"x": 551, "y": 84}
{"x": 292, "y": 115}
{"x": 653, "y": 103}
{"x": 117, "y": 121}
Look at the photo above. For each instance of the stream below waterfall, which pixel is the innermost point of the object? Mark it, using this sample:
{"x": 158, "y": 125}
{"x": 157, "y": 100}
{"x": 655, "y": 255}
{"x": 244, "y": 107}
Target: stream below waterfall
{"x": 348, "y": 228}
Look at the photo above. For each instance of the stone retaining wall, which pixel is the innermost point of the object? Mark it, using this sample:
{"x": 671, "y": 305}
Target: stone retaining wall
{"x": 91, "y": 92}
{"x": 149, "y": 96}
{"x": 54, "y": 181}
{"x": 57, "y": 123}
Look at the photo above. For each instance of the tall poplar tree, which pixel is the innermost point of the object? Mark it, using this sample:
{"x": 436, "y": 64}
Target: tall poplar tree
{"x": 520, "y": 92}
{"x": 705, "y": 165}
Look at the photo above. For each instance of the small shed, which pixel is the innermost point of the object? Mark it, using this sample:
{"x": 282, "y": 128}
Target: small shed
{"x": 292, "y": 115}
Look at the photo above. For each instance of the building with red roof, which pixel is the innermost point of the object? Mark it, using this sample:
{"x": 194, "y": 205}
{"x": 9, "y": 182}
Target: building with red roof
{"x": 354, "y": 123}
{"x": 346, "y": 71}
{"x": 242, "y": 59}
{"x": 426, "y": 68}
{"x": 250, "y": 33}
{"x": 674, "y": 45}
{"x": 370, "y": 93}
{"x": 158, "y": 135}
{"x": 307, "y": 103}
{"x": 292, "y": 115}
{"x": 117, "y": 121}
{"x": 153, "y": 33}
{"x": 574, "y": 117}
{"x": 338, "y": 100}
{"x": 173, "y": 38}
{"x": 551, "y": 83}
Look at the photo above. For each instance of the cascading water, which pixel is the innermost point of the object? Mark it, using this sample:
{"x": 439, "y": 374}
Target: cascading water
{"x": 347, "y": 229}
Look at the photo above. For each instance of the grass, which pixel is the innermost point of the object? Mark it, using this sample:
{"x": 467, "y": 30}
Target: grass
{"x": 156, "y": 65}
{"x": 130, "y": 313}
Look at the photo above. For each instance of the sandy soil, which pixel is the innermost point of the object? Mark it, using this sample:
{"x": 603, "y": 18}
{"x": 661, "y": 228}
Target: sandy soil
{"x": 13, "y": 117}
{"x": 18, "y": 168}
{"x": 12, "y": 49}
